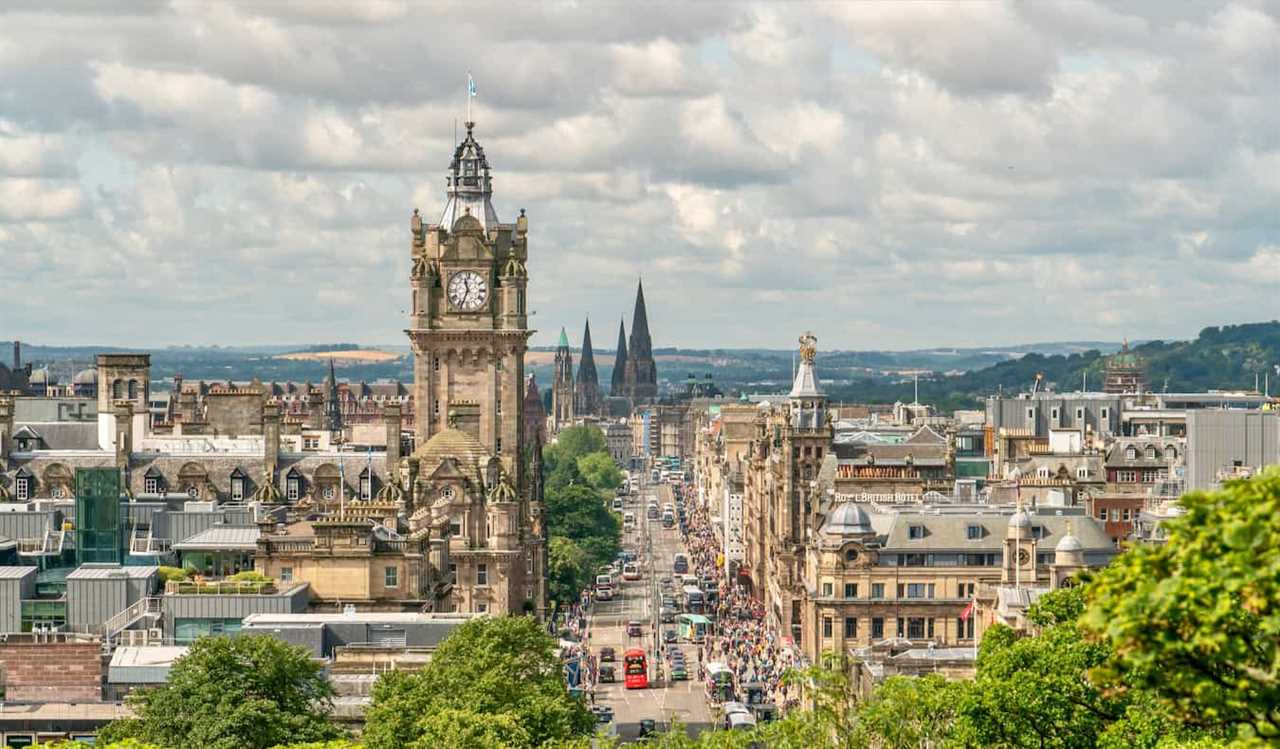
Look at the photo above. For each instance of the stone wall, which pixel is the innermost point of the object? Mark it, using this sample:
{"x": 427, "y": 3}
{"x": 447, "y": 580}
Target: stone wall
{"x": 52, "y": 668}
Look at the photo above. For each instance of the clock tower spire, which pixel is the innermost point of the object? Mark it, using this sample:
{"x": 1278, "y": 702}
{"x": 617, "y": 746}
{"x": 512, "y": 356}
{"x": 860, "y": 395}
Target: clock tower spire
{"x": 468, "y": 328}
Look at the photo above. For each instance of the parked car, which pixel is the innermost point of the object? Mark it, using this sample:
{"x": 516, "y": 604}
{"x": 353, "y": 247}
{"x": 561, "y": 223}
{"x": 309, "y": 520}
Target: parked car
{"x": 608, "y": 655}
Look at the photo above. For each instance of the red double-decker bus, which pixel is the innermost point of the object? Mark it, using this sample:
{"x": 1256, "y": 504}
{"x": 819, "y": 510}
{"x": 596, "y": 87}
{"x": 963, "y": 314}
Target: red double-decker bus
{"x": 635, "y": 669}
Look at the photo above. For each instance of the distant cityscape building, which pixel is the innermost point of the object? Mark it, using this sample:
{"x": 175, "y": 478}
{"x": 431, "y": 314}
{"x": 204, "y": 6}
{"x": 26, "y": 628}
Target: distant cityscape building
{"x": 1126, "y": 373}
{"x": 562, "y": 387}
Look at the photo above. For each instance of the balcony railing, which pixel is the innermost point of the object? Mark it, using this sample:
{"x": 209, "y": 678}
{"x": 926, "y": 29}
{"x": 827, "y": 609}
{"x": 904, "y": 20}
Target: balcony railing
{"x": 221, "y": 588}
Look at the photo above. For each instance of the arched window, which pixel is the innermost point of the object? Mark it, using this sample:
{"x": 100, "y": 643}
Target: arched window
{"x": 117, "y": 390}
{"x": 133, "y": 390}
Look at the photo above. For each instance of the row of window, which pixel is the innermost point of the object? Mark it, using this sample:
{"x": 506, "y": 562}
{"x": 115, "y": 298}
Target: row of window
{"x": 910, "y": 627}
{"x": 1055, "y": 413}
{"x": 1118, "y": 515}
{"x": 1149, "y": 476}
{"x": 1151, "y": 453}
{"x": 239, "y": 487}
{"x": 905, "y": 590}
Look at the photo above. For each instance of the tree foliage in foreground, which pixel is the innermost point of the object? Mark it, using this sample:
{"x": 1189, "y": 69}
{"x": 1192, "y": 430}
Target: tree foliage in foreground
{"x": 490, "y": 679}
{"x": 242, "y": 692}
{"x": 1196, "y": 621}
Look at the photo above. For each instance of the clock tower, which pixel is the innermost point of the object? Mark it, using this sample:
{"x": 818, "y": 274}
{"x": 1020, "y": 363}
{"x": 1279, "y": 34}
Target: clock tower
{"x": 468, "y": 328}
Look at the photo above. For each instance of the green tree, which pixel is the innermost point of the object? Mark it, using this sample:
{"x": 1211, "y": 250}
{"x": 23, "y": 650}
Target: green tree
{"x": 909, "y": 712}
{"x": 459, "y": 728}
{"x": 250, "y": 691}
{"x": 1033, "y": 691}
{"x": 1196, "y": 620}
{"x": 488, "y": 667}
{"x": 574, "y": 442}
{"x": 568, "y": 569}
{"x": 599, "y": 470}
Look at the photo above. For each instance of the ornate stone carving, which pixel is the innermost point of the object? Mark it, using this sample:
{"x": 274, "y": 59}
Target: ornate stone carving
{"x": 808, "y": 347}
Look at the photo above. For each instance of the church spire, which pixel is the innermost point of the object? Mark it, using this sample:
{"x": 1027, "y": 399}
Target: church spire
{"x": 333, "y": 409}
{"x": 618, "y": 383}
{"x": 587, "y": 388}
{"x": 642, "y": 373}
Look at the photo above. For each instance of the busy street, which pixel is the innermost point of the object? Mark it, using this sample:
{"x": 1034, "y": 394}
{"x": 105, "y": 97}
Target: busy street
{"x": 663, "y": 637}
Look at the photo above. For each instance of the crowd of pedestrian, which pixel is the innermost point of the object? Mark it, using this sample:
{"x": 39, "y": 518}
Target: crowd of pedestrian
{"x": 742, "y": 639}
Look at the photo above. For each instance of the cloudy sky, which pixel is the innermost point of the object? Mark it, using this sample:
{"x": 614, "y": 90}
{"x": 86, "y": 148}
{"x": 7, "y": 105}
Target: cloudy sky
{"x": 889, "y": 175}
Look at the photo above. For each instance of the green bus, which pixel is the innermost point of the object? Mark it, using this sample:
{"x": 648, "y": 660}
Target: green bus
{"x": 693, "y": 627}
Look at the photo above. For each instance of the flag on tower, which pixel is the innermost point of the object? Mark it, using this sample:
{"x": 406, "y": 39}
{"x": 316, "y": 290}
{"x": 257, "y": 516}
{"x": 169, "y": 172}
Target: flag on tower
{"x": 471, "y": 85}
{"x": 968, "y": 610}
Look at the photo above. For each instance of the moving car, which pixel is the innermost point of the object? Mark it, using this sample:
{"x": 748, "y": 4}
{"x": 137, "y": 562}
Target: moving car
{"x": 608, "y": 655}
{"x": 608, "y": 675}
{"x": 667, "y": 614}
{"x": 635, "y": 628}
{"x": 679, "y": 672}
{"x": 630, "y": 571}
{"x": 669, "y": 635}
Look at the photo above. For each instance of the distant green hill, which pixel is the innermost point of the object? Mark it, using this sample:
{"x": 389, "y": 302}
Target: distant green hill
{"x": 1224, "y": 358}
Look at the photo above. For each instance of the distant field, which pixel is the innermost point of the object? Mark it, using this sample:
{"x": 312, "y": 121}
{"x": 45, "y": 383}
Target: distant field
{"x": 351, "y": 357}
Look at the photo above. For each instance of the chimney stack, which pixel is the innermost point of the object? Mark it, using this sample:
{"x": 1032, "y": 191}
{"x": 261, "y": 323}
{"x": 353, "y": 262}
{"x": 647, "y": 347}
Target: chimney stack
{"x": 124, "y": 432}
{"x": 270, "y": 438}
{"x": 6, "y": 429}
{"x": 391, "y": 418}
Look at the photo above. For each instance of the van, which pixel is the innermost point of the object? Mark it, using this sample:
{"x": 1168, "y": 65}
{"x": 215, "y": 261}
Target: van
{"x": 605, "y": 581}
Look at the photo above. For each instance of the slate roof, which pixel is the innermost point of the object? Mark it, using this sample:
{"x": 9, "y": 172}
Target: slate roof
{"x": 221, "y": 538}
{"x": 62, "y": 435}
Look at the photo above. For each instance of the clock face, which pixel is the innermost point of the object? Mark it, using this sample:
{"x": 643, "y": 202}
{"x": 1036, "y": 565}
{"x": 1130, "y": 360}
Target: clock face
{"x": 1023, "y": 557}
{"x": 468, "y": 290}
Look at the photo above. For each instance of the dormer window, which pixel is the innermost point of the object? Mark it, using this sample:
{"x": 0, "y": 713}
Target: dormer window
{"x": 1151, "y": 453}
{"x": 366, "y": 485}
{"x": 22, "y": 488}
{"x": 1131, "y": 453}
{"x": 293, "y": 486}
{"x": 915, "y": 532}
{"x": 237, "y": 485}
{"x": 973, "y": 532}
{"x": 24, "y": 444}
{"x": 1042, "y": 472}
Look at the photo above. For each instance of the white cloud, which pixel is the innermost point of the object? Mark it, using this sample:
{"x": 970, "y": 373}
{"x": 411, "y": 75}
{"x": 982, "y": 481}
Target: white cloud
{"x": 886, "y": 174}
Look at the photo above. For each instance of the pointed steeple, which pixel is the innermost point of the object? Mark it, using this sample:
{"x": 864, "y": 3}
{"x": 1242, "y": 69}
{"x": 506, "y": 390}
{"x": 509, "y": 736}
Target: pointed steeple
{"x": 564, "y": 339}
{"x": 618, "y": 383}
{"x": 642, "y": 373}
{"x": 587, "y": 388}
{"x": 641, "y": 345}
{"x": 333, "y": 409}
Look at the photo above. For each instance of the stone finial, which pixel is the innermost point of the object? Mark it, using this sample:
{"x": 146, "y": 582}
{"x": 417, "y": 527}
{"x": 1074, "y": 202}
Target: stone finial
{"x": 808, "y": 347}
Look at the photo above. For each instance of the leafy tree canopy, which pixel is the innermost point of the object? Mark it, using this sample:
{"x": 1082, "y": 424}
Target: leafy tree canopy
{"x": 489, "y": 668}
{"x": 599, "y": 470}
{"x": 1196, "y": 620}
{"x": 242, "y": 692}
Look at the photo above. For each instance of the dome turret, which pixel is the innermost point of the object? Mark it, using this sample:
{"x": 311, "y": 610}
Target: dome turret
{"x": 847, "y": 520}
{"x": 470, "y": 187}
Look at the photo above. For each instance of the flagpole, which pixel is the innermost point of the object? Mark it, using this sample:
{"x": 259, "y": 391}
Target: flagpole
{"x": 469, "y": 97}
